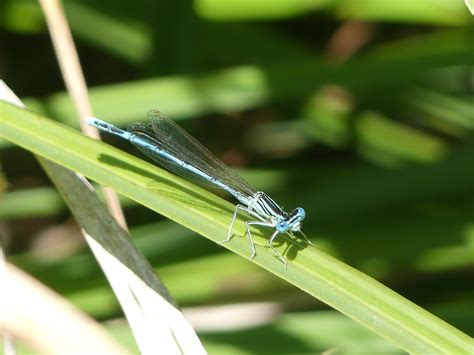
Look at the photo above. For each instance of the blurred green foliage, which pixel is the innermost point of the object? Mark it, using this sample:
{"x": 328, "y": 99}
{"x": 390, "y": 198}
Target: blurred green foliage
{"x": 361, "y": 112}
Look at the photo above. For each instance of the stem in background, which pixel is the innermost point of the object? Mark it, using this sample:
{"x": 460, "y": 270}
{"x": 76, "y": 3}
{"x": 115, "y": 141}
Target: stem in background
{"x": 76, "y": 84}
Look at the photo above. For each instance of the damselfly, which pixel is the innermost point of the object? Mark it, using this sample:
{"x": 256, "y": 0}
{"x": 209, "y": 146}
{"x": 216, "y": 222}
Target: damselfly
{"x": 173, "y": 148}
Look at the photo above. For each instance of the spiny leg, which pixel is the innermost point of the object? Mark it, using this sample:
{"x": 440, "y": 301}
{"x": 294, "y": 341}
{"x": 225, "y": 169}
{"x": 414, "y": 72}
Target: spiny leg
{"x": 270, "y": 241}
{"x": 247, "y": 226}
{"x": 234, "y": 216}
{"x": 307, "y": 239}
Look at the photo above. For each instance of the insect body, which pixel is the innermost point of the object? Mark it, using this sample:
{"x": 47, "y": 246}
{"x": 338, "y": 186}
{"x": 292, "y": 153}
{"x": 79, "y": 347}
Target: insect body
{"x": 173, "y": 148}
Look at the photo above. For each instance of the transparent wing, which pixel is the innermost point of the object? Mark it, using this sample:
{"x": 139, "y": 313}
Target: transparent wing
{"x": 167, "y": 135}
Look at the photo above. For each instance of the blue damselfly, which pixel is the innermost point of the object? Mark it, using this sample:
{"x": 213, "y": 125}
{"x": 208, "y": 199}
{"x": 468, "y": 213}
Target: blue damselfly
{"x": 174, "y": 149}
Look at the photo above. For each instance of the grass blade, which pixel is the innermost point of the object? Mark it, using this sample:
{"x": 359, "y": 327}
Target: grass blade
{"x": 335, "y": 283}
{"x": 152, "y": 313}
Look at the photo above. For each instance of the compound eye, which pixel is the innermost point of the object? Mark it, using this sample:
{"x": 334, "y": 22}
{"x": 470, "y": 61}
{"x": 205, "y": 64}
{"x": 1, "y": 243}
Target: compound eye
{"x": 301, "y": 213}
{"x": 282, "y": 226}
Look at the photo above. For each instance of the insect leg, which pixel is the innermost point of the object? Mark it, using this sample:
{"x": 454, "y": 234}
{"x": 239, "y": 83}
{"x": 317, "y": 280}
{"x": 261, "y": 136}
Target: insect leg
{"x": 305, "y": 237}
{"x": 234, "y": 216}
{"x": 270, "y": 241}
{"x": 257, "y": 223}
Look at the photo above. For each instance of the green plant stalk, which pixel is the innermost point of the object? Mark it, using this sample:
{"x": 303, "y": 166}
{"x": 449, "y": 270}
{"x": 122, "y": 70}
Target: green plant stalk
{"x": 324, "y": 277}
{"x": 94, "y": 218}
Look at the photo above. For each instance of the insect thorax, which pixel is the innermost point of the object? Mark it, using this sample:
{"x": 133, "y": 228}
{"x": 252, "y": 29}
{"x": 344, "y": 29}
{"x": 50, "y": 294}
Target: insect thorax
{"x": 263, "y": 204}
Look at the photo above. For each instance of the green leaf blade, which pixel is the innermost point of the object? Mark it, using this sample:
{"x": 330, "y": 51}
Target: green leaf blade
{"x": 335, "y": 283}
